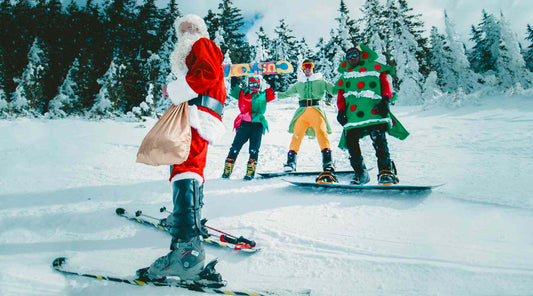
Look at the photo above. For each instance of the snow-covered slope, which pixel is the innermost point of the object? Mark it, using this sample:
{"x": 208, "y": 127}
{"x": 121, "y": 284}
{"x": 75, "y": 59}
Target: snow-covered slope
{"x": 61, "y": 180}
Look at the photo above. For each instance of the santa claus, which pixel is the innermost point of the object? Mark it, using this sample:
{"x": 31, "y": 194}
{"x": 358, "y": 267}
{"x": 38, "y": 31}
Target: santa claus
{"x": 197, "y": 63}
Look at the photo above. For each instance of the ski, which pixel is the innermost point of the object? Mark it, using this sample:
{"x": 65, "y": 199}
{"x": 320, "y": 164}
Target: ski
{"x": 198, "y": 286}
{"x": 388, "y": 188}
{"x": 224, "y": 240}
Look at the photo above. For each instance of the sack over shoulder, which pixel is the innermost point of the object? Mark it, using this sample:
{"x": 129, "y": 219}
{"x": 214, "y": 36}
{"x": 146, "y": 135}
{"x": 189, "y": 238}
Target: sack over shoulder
{"x": 169, "y": 141}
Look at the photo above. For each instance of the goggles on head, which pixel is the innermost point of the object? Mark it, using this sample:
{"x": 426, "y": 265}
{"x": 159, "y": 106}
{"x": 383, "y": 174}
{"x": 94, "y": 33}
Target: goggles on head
{"x": 352, "y": 55}
{"x": 308, "y": 65}
{"x": 253, "y": 84}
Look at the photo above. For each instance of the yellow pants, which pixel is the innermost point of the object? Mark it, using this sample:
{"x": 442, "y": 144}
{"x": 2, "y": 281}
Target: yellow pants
{"x": 310, "y": 118}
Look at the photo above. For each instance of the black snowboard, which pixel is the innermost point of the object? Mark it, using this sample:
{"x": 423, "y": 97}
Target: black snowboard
{"x": 397, "y": 187}
{"x": 311, "y": 173}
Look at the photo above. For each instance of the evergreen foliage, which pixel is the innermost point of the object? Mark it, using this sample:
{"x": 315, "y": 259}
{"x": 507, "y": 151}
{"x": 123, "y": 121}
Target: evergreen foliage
{"x": 111, "y": 58}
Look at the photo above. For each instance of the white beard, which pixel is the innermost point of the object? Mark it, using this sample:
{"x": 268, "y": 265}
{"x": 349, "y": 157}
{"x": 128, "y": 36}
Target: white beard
{"x": 181, "y": 51}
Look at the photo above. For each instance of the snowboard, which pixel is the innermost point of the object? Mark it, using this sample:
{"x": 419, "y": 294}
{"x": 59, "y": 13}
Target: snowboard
{"x": 396, "y": 187}
{"x": 262, "y": 68}
{"x": 309, "y": 173}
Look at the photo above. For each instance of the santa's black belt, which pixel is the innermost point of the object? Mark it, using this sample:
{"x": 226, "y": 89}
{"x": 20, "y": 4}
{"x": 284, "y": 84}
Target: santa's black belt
{"x": 209, "y": 103}
{"x": 309, "y": 103}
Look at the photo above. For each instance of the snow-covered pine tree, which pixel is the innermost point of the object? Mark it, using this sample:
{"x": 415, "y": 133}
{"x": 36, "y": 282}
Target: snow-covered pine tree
{"x": 404, "y": 48}
{"x": 440, "y": 58}
{"x": 528, "y": 54}
{"x": 416, "y": 27}
{"x": 373, "y": 28}
{"x": 510, "y": 65}
{"x": 156, "y": 79}
{"x": 112, "y": 89}
{"x": 431, "y": 91}
{"x": 262, "y": 47}
{"x": 459, "y": 67}
{"x": 4, "y": 106}
{"x": 28, "y": 98}
{"x": 67, "y": 101}
{"x": 486, "y": 38}
{"x": 285, "y": 50}
{"x": 148, "y": 22}
{"x": 230, "y": 19}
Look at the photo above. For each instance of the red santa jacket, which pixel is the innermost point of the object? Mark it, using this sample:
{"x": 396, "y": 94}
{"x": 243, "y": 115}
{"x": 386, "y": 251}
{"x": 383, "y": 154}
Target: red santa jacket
{"x": 204, "y": 76}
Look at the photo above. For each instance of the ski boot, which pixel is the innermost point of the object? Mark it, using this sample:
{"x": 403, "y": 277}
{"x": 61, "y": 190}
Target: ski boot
{"x": 250, "y": 169}
{"x": 360, "y": 173}
{"x": 328, "y": 174}
{"x": 228, "y": 168}
{"x": 209, "y": 277}
{"x": 290, "y": 166}
{"x": 185, "y": 260}
{"x": 387, "y": 173}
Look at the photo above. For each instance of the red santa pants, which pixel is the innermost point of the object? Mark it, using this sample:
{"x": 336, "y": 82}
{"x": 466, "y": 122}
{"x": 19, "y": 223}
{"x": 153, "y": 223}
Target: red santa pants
{"x": 195, "y": 163}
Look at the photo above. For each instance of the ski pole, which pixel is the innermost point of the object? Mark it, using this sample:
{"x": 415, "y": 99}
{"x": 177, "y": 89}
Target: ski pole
{"x": 228, "y": 237}
{"x": 140, "y": 213}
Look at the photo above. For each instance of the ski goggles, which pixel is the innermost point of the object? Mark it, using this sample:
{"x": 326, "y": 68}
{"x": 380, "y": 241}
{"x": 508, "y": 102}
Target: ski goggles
{"x": 254, "y": 84}
{"x": 308, "y": 65}
{"x": 352, "y": 55}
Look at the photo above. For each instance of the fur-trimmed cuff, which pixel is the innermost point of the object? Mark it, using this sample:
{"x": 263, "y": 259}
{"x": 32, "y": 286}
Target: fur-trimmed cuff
{"x": 179, "y": 91}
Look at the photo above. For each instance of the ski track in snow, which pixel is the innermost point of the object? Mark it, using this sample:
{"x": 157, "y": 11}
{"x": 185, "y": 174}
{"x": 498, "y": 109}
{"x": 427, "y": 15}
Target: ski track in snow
{"x": 61, "y": 180}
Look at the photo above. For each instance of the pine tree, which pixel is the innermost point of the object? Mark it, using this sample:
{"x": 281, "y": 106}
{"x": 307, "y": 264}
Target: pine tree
{"x": 107, "y": 100}
{"x": 29, "y": 97}
{"x": 230, "y": 20}
{"x": 374, "y": 28}
{"x": 431, "y": 91}
{"x": 486, "y": 38}
{"x": 528, "y": 55}
{"x": 404, "y": 47}
{"x": 4, "y": 106}
{"x": 285, "y": 50}
{"x": 459, "y": 67}
{"x": 149, "y": 20}
{"x": 510, "y": 65}
{"x": 416, "y": 27}
{"x": 67, "y": 101}
{"x": 262, "y": 49}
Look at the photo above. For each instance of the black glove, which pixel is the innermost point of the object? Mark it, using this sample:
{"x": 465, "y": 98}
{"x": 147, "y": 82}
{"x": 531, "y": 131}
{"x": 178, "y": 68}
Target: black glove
{"x": 342, "y": 118}
{"x": 383, "y": 107}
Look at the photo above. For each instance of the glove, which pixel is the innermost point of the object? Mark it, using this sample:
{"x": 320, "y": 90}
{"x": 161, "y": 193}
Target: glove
{"x": 329, "y": 99}
{"x": 165, "y": 94}
{"x": 342, "y": 118}
{"x": 383, "y": 107}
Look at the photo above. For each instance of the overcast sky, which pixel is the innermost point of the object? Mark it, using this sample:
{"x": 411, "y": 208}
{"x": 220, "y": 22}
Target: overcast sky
{"x": 313, "y": 19}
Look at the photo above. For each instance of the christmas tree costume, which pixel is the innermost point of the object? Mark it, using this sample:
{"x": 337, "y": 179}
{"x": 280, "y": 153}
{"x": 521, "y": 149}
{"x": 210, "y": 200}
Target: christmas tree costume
{"x": 363, "y": 97}
{"x": 309, "y": 119}
{"x": 250, "y": 124}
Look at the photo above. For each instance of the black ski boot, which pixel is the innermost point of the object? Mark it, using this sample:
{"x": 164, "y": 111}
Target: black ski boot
{"x": 250, "y": 169}
{"x": 387, "y": 173}
{"x": 328, "y": 171}
{"x": 228, "y": 168}
{"x": 360, "y": 173}
{"x": 187, "y": 256}
{"x": 290, "y": 166}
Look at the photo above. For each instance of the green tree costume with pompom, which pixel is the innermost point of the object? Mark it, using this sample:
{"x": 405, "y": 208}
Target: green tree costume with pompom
{"x": 362, "y": 92}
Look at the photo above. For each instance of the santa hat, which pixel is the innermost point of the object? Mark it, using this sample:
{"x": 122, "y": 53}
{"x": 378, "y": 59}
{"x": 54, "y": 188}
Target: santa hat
{"x": 195, "y": 20}
{"x": 254, "y": 79}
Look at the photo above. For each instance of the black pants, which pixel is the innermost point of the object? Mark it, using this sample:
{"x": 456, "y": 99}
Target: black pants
{"x": 252, "y": 131}
{"x": 379, "y": 141}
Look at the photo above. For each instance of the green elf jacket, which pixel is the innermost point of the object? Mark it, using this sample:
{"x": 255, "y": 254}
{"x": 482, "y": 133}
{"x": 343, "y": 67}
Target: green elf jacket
{"x": 252, "y": 105}
{"x": 313, "y": 87}
{"x": 360, "y": 89}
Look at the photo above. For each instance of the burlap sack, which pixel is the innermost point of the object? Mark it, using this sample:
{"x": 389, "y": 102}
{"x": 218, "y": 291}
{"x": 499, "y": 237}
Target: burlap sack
{"x": 169, "y": 141}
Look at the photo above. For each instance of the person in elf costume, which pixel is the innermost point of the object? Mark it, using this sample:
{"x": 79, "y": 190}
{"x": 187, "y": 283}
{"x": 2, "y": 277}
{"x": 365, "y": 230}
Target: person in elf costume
{"x": 310, "y": 119}
{"x": 250, "y": 124}
{"x": 197, "y": 63}
{"x": 364, "y": 96}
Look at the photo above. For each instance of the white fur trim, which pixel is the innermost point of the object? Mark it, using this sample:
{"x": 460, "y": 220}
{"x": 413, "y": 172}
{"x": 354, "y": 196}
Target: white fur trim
{"x": 359, "y": 94}
{"x": 313, "y": 77}
{"x": 187, "y": 175}
{"x": 208, "y": 126}
{"x": 361, "y": 74}
{"x": 179, "y": 91}
{"x": 356, "y": 124}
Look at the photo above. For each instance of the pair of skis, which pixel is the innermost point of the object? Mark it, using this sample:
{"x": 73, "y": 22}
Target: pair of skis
{"x": 221, "y": 239}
